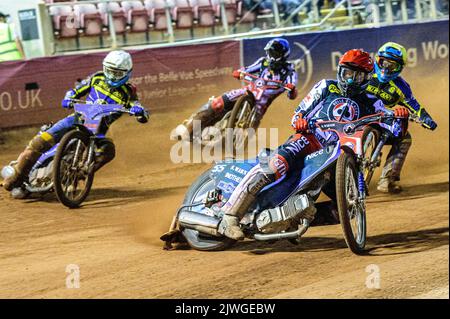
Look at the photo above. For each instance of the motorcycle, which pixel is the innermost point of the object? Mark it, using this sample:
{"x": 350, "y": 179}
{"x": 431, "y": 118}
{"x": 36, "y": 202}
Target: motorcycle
{"x": 281, "y": 207}
{"x": 246, "y": 113}
{"x": 375, "y": 137}
{"x": 68, "y": 167}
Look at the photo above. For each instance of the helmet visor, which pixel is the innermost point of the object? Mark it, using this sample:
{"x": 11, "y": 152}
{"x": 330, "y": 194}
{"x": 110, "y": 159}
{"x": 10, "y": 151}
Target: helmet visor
{"x": 389, "y": 65}
{"x": 274, "y": 51}
{"x": 114, "y": 74}
{"x": 353, "y": 76}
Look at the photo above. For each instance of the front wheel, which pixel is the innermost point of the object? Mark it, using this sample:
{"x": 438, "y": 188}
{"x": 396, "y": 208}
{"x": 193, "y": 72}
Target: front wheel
{"x": 72, "y": 175}
{"x": 371, "y": 138}
{"x": 351, "y": 208}
{"x": 240, "y": 118}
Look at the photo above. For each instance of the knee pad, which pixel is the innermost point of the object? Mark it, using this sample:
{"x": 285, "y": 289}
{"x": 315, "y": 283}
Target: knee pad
{"x": 259, "y": 181}
{"x": 217, "y": 104}
{"x": 41, "y": 142}
{"x": 278, "y": 165}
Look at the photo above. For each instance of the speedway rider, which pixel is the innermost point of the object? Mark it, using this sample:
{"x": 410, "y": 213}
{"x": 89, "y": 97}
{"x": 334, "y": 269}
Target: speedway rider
{"x": 110, "y": 86}
{"x": 344, "y": 100}
{"x": 274, "y": 66}
{"x": 392, "y": 89}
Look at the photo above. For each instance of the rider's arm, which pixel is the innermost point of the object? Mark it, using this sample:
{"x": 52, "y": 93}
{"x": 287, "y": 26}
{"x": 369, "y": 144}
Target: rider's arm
{"x": 409, "y": 101}
{"x": 291, "y": 83}
{"x": 311, "y": 103}
{"x": 255, "y": 67}
{"x": 80, "y": 90}
{"x": 134, "y": 104}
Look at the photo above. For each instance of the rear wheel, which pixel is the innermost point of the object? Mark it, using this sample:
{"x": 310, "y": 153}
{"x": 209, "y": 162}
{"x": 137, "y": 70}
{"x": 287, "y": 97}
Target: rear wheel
{"x": 72, "y": 175}
{"x": 195, "y": 239}
{"x": 351, "y": 209}
{"x": 370, "y": 139}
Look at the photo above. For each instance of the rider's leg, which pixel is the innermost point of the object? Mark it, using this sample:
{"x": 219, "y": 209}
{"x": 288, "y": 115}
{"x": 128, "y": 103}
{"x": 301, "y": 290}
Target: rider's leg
{"x": 105, "y": 153}
{"x": 288, "y": 156}
{"x": 211, "y": 112}
{"x": 393, "y": 166}
{"x": 41, "y": 143}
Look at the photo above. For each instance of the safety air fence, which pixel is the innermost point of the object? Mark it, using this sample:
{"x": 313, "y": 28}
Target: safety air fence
{"x": 171, "y": 78}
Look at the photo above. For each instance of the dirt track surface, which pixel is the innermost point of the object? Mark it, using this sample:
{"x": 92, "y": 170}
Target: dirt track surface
{"x": 114, "y": 237}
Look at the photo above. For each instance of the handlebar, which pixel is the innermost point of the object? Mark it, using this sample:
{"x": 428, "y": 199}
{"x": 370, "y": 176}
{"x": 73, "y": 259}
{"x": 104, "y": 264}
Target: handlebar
{"x": 106, "y": 109}
{"x": 350, "y": 126}
{"x": 276, "y": 83}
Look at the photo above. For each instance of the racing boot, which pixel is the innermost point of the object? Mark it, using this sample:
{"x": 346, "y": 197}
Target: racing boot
{"x": 206, "y": 114}
{"x": 105, "y": 153}
{"x": 390, "y": 175}
{"x": 241, "y": 200}
{"x": 38, "y": 145}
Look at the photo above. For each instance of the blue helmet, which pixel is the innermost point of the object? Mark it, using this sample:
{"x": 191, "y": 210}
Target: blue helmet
{"x": 277, "y": 51}
{"x": 389, "y": 61}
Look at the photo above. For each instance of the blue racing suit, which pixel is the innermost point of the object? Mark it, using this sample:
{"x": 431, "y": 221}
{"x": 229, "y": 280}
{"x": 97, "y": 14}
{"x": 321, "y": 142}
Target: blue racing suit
{"x": 392, "y": 93}
{"x": 99, "y": 92}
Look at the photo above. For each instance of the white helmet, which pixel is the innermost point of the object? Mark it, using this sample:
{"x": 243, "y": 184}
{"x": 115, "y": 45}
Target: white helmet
{"x": 117, "y": 67}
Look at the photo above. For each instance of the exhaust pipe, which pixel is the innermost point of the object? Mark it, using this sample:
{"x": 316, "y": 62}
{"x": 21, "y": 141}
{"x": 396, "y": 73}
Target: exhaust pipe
{"x": 203, "y": 223}
{"x": 287, "y": 235}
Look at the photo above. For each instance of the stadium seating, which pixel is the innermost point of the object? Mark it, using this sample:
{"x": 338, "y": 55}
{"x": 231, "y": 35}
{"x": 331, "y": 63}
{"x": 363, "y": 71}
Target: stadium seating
{"x": 91, "y": 22}
{"x": 134, "y": 18}
{"x": 204, "y": 13}
{"x": 156, "y": 10}
{"x": 65, "y": 22}
{"x": 183, "y": 14}
{"x": 244, "y": 15}
{"x": 118, "y": 16}
{"x": 230, "y": 10}
{"x": 137, "y": 16}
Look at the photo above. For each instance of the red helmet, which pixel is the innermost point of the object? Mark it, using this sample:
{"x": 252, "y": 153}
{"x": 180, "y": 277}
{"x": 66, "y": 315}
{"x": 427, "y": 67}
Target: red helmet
{"x": 354, "y": 71}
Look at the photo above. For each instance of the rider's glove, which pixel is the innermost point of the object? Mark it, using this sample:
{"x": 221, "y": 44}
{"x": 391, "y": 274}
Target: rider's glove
{"x": 137, "y": 110}
{"x": 237, "y": 74}
{"x": 141, "y": 114}
{"x": 67, "y": 103}
{"x": 427, "y": 121}
{"x": 401, "y": 111}
{"x": 292, "y": 94}
{"x": 299, "y": 123}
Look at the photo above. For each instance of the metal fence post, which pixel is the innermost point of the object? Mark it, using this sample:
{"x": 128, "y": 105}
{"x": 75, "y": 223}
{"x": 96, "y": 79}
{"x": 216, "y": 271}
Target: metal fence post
{"x": 112, "y": 27}
{"x": 276, "y": 12}
{"x": 418, "y": 10}
{"x": 223, "y": 13}
{"x": 404, "y": 11}
{"x": 169, "y": 21}
{"x": 433, "y": 13}
{"x": 389, "y": 14}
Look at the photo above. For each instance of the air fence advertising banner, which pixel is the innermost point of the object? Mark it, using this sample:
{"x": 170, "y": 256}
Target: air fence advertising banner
{"x": 31, "y": 91}
{"x": 316, "y": 55}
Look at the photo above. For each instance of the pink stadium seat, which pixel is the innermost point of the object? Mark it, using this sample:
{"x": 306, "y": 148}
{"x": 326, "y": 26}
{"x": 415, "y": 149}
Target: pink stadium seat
{"x": 244, "y": 15}
{"x": 204, "y": 13}
{"x": 157, "y": 13}
{"x": 65, "y": 22}
{"x": 137, "y": 16}
{"x": 230, "y": 10}
{"x": 183, "y": 14}
{"x": 118, "y": 16}
{"x": 90, "y": 19}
